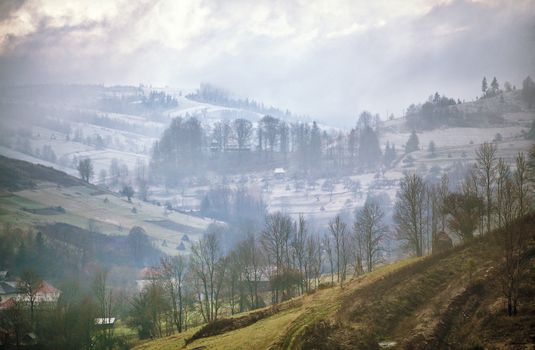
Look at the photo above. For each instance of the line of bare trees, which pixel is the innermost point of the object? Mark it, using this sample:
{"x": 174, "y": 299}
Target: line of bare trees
{"x": 493, "y": 196}
{"x": 282, "y": 261}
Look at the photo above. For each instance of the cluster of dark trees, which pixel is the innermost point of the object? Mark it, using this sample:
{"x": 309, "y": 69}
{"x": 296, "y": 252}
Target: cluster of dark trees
{"x": 214, "y": 95}
{"x": 528, "y": 92}
{"x": 187, "y": 148}
{"x": 137, "y": 102}
{"x": 438, "y": 110}
{"x": 240, "y": 207}
{"x": 441, "y": 110}
{"x": 493, "y": 90}
{"x": 491, "y": 197}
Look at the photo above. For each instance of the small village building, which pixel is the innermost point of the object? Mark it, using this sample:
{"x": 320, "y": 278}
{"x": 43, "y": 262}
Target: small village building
{"x": 279, "y": 173}
{"x": 7, "y": 304}
{"x": 443, "y": 242}
{"x": 8, "y": 290}
{"x": 44, "y": 293}
{"x": 47, "y": 293}
{"x": 105, "y": 322}
{"x": 29, "y": 340}
{"x": 145, "y": 276}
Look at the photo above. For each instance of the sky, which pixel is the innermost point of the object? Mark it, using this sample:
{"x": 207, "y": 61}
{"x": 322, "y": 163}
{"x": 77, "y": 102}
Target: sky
{"x": 327, "y": 59}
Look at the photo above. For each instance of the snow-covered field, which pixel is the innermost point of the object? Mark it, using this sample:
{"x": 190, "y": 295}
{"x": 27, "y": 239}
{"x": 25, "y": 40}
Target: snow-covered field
{"x": 453, "y": 145}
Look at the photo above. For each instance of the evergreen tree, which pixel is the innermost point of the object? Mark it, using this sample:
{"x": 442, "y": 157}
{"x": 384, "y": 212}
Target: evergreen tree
{"x": 431, "y": 149}
{"x": 390, "y": 154}
{"x": 531, "y": 133}
{"x": 528, "y": 92}
{"x": 484, "y": 86}
{"x": 495, "y": 86}
{"x": 413, "y": 143}
{"x": 369, "y": 149}
{"x": 315, "y": 145}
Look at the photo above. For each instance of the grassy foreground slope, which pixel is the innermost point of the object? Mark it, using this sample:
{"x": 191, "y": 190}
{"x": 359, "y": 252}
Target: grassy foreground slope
{"x": 450, "y": 300}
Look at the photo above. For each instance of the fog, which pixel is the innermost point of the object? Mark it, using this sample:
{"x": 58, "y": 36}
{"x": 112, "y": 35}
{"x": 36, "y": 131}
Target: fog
{"x": 329, "y": 60}
{"x": 267, "y": 174}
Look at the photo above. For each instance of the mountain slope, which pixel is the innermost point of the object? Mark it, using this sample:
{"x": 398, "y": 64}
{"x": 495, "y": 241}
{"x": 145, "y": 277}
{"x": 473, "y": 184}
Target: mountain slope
{"x": 35, "y": 195}
{"x": 449, "y": 300}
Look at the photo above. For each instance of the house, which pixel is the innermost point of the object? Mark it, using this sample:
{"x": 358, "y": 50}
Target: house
{"x": 145, "y": 276}
{"x": 105, "y": 322}
{"x": 45, "y": 292}
{"x": 29, "y": 340}
{"x": 279, "y": 173}
{"x": 7, "y": 304}
{"x": 8, "y": 290}
{"x": 442, "y": 243}
{"x": 4, "y": 275}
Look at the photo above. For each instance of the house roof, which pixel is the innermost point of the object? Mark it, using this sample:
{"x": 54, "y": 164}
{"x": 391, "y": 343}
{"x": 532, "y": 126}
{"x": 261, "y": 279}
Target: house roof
{"x": 47, "y": 288}
{"x": 105, "y": 320}
{"x": 443, "y": 236}
{"x": 6, "y": 288}
{"x": 9, "y": 303}
{"x": 148, "y": 273}
{"x": 279, "y": 171}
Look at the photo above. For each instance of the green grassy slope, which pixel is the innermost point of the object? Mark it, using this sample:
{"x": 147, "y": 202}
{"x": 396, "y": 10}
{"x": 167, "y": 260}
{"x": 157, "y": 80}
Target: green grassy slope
{"x": 30, "y": 193}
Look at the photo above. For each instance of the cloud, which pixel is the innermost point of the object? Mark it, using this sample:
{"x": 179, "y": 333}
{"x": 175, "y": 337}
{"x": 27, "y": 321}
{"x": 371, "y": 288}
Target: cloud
{"x": 329, "y": 59}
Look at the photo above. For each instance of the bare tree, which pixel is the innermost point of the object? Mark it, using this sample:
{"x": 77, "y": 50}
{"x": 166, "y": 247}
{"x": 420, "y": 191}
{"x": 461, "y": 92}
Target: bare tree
{"x": 29, "y": 284}
{"x": 328, "y": 246}
{"x": 298, "y": 248}
{"x": 173, "y": 270}
{"x": 313, "y": 260}
{"x": 520, "y": 177}
{"x": 233, "y": 283}
{"x": 503, "y": 174}
{"x": 463, "y": 210}
{"x": 512, "y": 241}
{"x": 85, "y": 169}
{"x": 371, "y": 230}
{"x": 251, "y": 259}
{"x": 104, "y": 299}
{"x": 442, "y": 193}
{"x": 338, "y": 230}
{"x": 270, "y": 127}
{"x": 409, "y": 212}
{"x": 208, "y": 265}
{"x": 275, "y": 240}
{"x": 486, "y": 166}
{"x": 243, "y": 130}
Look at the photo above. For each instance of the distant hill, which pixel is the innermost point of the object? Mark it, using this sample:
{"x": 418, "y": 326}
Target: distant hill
{"x": 16, "y": 175}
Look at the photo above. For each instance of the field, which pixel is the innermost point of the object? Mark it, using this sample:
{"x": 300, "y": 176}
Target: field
{"x": 454, "y": 145}
{"x": 113, "y": 215}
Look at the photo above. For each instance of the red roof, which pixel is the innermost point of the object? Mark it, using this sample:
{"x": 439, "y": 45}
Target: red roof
{"x": 148, "y": 273}
{"x": 46, "y": 288}
{"x": 9, "y": 303}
